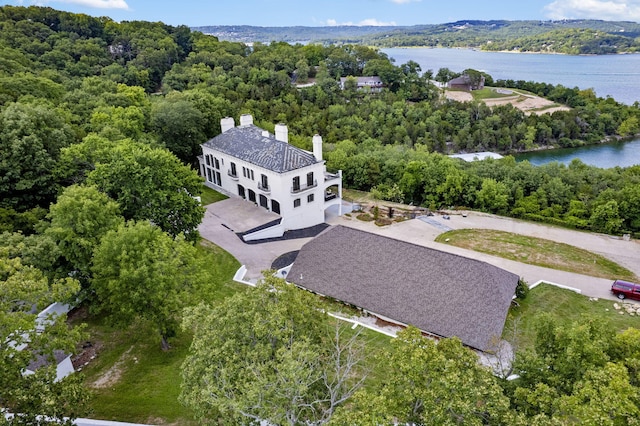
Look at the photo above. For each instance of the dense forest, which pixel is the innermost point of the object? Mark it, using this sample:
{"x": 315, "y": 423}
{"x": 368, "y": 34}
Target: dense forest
{"x": 100, "y": 126}
{"x": 77, "y": 87}
{"x": 581, "y": 36}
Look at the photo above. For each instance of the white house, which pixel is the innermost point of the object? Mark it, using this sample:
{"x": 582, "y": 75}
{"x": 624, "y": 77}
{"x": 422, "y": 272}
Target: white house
{"x": 249, "y": 162}
{"x": 371, "y": 83}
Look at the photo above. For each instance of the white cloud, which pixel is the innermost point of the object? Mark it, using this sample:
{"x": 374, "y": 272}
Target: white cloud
{"x": 371, "y": 22}
{"x": 612, "y": 10}
{"x": 98, "y": 4}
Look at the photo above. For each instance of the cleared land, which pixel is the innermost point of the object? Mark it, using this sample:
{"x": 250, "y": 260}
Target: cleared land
{"x": 524, "y": 101}
{"x": 536, "y": 251}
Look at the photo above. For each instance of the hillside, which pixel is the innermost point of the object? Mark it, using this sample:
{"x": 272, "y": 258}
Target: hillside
{"x": 567, "y": 36}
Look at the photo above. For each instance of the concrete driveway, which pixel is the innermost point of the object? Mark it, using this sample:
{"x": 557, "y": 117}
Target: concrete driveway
{"x": 223, "y": 219}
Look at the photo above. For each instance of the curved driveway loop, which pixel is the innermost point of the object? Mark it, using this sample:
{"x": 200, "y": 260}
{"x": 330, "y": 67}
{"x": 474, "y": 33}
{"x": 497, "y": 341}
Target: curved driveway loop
{"x": 258, "y": 257}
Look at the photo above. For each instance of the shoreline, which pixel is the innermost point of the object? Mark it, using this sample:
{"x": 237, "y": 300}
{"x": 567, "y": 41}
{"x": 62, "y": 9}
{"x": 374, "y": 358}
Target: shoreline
{"x": 479, "y": 49}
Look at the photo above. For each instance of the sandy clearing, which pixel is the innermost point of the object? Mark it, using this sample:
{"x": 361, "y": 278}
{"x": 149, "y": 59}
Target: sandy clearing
{"x": 529, "y": 104}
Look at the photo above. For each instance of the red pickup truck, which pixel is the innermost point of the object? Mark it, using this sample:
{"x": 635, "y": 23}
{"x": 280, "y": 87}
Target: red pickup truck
{"x": 624, "y": 289}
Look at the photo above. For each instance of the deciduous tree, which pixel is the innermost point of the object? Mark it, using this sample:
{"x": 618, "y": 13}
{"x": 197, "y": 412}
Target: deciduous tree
{"x": 268, "y": 354}
{"x": 151, "y": 184}
{"x": 139, "y": 272}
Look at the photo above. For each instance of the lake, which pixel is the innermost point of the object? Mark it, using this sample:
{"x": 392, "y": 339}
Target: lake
{"x": 608, "y": 75}
{"x": 605, "y": 155}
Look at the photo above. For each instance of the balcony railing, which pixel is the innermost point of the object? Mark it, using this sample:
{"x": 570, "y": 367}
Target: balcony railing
{"x": 331, "y": 176}
{"x": 303, "y": 188}
{"x": 232, "y": 175}
{"x": 263, "y": 188}
{"x": 328, "y": 196}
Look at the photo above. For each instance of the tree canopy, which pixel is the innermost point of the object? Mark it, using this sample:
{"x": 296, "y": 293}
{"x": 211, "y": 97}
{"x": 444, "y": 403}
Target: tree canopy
{"x": 301, "y": 367}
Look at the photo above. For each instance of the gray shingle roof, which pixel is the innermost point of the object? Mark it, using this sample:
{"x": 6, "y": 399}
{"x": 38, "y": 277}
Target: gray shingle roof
{"x": 248, "y": 143}
{"x": 438, "y": 292}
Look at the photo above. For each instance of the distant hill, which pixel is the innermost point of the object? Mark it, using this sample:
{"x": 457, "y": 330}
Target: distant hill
{"x": 565, "y": 36}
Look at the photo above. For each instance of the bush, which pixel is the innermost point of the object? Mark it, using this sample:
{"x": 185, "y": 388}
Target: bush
{"x": 522, "y": 289}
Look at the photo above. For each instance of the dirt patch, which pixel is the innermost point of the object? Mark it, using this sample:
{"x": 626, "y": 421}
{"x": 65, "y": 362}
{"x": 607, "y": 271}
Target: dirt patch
{"x": 113, "y": 374}
{"x": 87, "y": 354}
{"x": 529, "y": 104}
{"x": 459, "y": 96}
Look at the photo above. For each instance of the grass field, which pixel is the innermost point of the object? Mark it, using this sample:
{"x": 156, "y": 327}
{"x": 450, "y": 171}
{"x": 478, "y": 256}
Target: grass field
{"x": 210, "y": 196}
{"x": 566, "y": 307}
{"x": 536, "y": 251}
{"x": 131, "y": 378}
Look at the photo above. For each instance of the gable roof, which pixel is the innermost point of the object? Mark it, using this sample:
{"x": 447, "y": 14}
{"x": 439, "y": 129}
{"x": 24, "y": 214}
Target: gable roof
{"x": 438, "y": 292}
{"x": 248, "y": 143}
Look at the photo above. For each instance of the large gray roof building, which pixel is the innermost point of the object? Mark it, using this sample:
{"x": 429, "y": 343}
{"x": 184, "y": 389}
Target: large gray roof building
{"x": 440, "y": 293}
{"x": 256, "y": 146}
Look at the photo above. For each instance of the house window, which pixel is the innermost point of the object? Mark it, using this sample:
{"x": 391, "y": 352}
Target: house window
{"x": 275, "y": 206}
{"x": 217, "y": 162}
{"x": 251, "y": 173}
{"x": 264, "y": 202}
{"x": 252, "y": 196}
{"x": 310, "y": 198}
{"x": 296, "y": 183}
{"x": 264, "y": 181}
{"x": 234, "y": 172}
{"x": 296, "y": 202}
{"x": 244, "y": 171}
{"x": 310, "y": 179}
{"x": 219, "y": 179}
{"x": 241, "y": 191}
{"x": 209, "y": 178}
{"x": 206, "y": 157}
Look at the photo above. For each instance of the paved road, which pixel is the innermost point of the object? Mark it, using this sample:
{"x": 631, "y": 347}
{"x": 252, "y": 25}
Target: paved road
{"x": 259, "y": 257}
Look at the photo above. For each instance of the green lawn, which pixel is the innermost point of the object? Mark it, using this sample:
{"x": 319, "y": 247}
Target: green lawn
{"x": 566, "y": 307}
{"x": 210, "y": 196}
{"x": 536, "y": 251}
{"x": 145, "y": 381}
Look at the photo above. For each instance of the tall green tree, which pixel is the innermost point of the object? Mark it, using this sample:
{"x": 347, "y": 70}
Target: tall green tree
{"x": 151, "y": 184}
{"x": 577, "y": 374}
{"x": 81, "y": 216}
{"x": 268, "y": 354}
{"x": 31, "y": 137}
{"x": 139, "y": 272}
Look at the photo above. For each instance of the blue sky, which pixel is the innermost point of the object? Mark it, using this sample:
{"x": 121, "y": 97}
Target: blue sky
{"x": 340, "y": 12}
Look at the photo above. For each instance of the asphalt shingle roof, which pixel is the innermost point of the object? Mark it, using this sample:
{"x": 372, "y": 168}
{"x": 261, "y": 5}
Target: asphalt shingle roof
{"x": 438, "y": 292}
{"x": 249, "y": 144}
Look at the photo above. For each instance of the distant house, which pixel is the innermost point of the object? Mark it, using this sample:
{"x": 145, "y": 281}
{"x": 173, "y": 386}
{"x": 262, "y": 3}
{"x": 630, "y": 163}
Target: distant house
{"x": 372, "y": 84}
{"x": 250, "y": 163}
{"x": 442, "y": 294}
{"x": 64, "y": 367}
{"x": 464, "y": 82}
{"x": 477, "y": 156}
